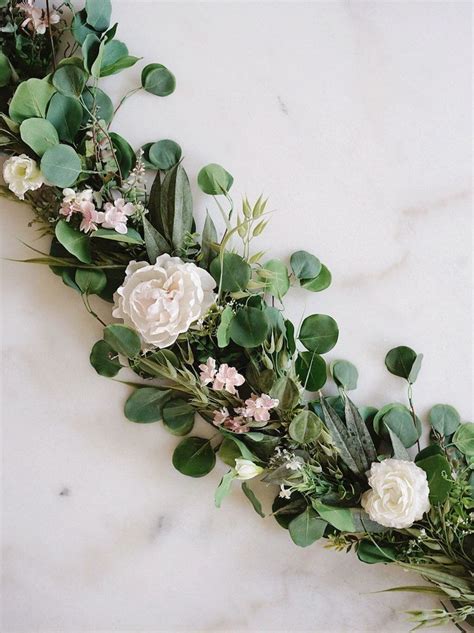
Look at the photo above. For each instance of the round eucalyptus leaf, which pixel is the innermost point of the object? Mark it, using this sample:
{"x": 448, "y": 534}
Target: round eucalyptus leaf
{"x": 214, "y": 180}
{"x": 319, "y": 333}
{"x": 305, "y": 427}
{"x": 61, "y": 165}
{"x": 444, "y": 418}
{"x": 178, "y": 416}
{"x": 249, "y": 327}
{"x": 286, "y": 392}
{"x": 344, "y": 374}
{"x": 74, "y": 241}
{"x": 145, "y": 405}
{"x": 368, "y": 552}
{"x": 123, "y": 339}
{"x": 79, "y": 27}
{"x": 194, "y": 457}
{"x": 5, "y": 70}
{"x": 311, "y": 370}
{"x": 65, "y": 113}
{"x": 275, "y": 275}
{"x": 124, "y": 153}
{"x": 158, "y": 80}
{"x": 305, "y": 265}
{"x": 164, "y": 154}
{"x": 306, "y": 528}
{"x": 438, "y": 473}
{"x": 399, "y": 361}
{"x": 70, "y": 80}
{"x": 463, "y": 439}
{"x": 98, "y": 14}
{"x": 91, "y": 281}
{"x": 31, "y": 99}
{"x": 400, "y": 421}
{"x": 97, "y": 102}
{"x": 236, "y": 272}
{"x": 319, "y": 283}
{"x": 105, "y": 360}
{"x": 285, "y": 510}
{"x": 39, "y": 134}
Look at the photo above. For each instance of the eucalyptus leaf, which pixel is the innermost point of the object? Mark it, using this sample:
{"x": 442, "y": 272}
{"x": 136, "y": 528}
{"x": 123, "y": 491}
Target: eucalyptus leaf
{"x": 305, "y": 265}
{"x": 223, "y": 334}
{"x": 340, "y": 518}
{"x": 31, "y": 99}
{"x": 98, "y": 14}
{"x": 277, "y": 282}
{"x": 65, "y": 113}
{"x": 368, "y": 552}
{"x": 319, "y": 283}
{"x": 444, "y": 418}
{"x": 115, "y": 58}
{"x": 224, "y": 488}
{"x": 39, "y": 134}
{"x": 123, "y": 339}
{"x": 311, "y": 369}
{"x": 145, "y": 405}
{"x": 249, "y": 327}
{"x": 319, "y": 333}
{"x": 286, "y": 392}
{"x": 105, "y": 360}
{"x": 464, "y": 439}
{"x": 234, "y": 275}
{"x": 209, "y": 237}
{"x": 80, "y": 28}
{"x": 249, "y": 493}
{"x": 124, "y": 154}
{"x": 75, "y": 242}
{"x": 194, "y": 457}
{"x": 306, "y": 528}
{"x": 344, "y": 374}
{"x": 158, "y": 80}
{"x": 97, "y": 102}
{"x": 400, "y": 421}
{"x": 91, "y": 281}
{"x": 400, "y": 360}
{"x": 130, "y": 237}
{"x": 91, "y": 48}
{"x": 399, "y": 450}
{"x": 164, "y": 154}
{"x": 178, "y": 416}
{"x": 438, "y": 472}
{"x": 214, "y": 180}
{"x": 5, "y": 70}
{"x": 229, "y": 452}
{"x": 61, "y": 165}
{"x": 305, "y": 427}
{"x": 70, "y": 80}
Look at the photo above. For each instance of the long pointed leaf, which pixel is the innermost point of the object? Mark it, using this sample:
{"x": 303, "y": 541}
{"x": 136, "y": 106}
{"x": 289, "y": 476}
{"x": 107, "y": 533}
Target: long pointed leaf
{"x": 183, "y": 209}
{"x": 358, "y": 453}
{"x": 353, "y": 414}
{"x": 209, "y": 236}
{"x": 154, "y": 204}
{"x": 155, "y": 243}
{"x": 339, "y": 435}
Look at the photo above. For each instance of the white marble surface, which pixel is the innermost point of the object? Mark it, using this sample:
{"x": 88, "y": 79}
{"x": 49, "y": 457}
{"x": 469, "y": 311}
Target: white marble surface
{"x": 355, "y": 118}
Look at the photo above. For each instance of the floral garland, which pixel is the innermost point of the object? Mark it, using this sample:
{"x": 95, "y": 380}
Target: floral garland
{"x": 199, "y": 328}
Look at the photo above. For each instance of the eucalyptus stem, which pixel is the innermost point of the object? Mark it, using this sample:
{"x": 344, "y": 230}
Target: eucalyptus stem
{"x": 412, "y": 408}
{"x": 51, "y": 39}
{"x": 91, "y": 311}
{"x": 126, "y": 96}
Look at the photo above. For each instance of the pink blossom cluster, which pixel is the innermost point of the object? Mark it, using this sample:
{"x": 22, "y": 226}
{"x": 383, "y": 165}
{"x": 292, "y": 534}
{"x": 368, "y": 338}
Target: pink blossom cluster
{"x": 223, "y": 379}
{"x": 36, "y": 19}
{"x": 114, "y": 216}
{"x": 256, "y": 412}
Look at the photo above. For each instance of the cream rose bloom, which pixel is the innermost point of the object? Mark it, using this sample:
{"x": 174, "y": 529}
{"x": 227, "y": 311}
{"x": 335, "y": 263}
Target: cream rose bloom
{"x": 21, "y": 173}
{"x": 246, "y": 469}
{"x": 161, "y": 300}
{"x": 399, "y": 493}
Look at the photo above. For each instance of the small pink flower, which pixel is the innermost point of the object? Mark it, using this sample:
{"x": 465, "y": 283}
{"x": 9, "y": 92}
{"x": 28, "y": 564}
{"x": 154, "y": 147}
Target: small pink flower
{"x": 237, "y": 425}
{"x": 228, "y": 378}
{"x": 258, "y": 407}
{"x": 116, "y": 215}
{"x": 90, "y": 217}
{"x": 208, "y": 371}
{"x": 221, "y": 416}
{"x": 37, "y": 19}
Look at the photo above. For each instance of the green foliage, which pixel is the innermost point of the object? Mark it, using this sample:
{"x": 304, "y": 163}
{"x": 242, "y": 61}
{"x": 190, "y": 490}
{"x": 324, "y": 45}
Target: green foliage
{"x": 145, "y": 405}
{"x": 223, "y": 489}
{"x": 98, "y": 14}
{"x": 249, "y": 493}
{"x": 104, "y": 359}
{"x": 286, "y": 392}
{"x": 275, "y": 275}
{"x": 164, "y": 154}
{"x": 438, "y": 472}
{"x": 91, "y": 49}
{"x": 231, "y": 272}
{"x": 404, "y": 362}
{"x": 249, "y": 327}
{"x": 214, "y": 180}
{"x": 80, "y": 28}
{"x": 312, "y": 371}
{"x": 369, "y": 552}
{"x": 178, "y": 416}
{"x": 115, "y": 58}
{"x": 305, "y": 265}
{"x": 444, "y": 419}
{"x": 75, "y": 242}
{"x": 463, "y": 439}
{"x": 65, "y": 113}
{"x": 130, "y": 237}
{"x": 31, "y": 99}
{"x": 61, "y": 165}
{"x": 91, "y": 281}
{"x": 305, "y": 427}
{"x": 97, "y": 102}
{"x": 223, "y": 334}
{"x": 124, "y": 154}
{"x": 174, "y": 217}
{"x": 344, "y": 374}
{"x": 306, "y": 528}
{"x": 38, "y": 134}
{"x": 70, "y": 80}
{"x": 5, "y": 70}
{"x": 194, "y": 457}
{"x": 399, "y": 420}
{"x": 319, "y": 333}
{"x": 155, "y": 243}
{"x": 209, "y": 237}
{"x": 340, "y": 518}
{"x": 123, "y": 339}
{"x": 319, "y": 283}
{"x": 158, "y": 80}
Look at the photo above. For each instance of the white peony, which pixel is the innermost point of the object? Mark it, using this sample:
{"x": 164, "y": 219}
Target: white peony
{"x": 161, "y": 300}
{"x": 21, "y": 173}
{"x": 399, "y": 493}
{"x": 245, "y": 469}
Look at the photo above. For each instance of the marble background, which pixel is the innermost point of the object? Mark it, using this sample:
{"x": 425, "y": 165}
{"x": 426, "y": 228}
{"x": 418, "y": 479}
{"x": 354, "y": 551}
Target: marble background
{"x": 355, "y": 118}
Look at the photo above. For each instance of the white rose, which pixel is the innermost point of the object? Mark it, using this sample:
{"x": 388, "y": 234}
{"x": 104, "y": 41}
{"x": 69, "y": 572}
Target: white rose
{"x": 161, "y": 300}
{"x": 21, "y": 173}
{"x": 399, "y": 493}
{"x": 246, "y": 469}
